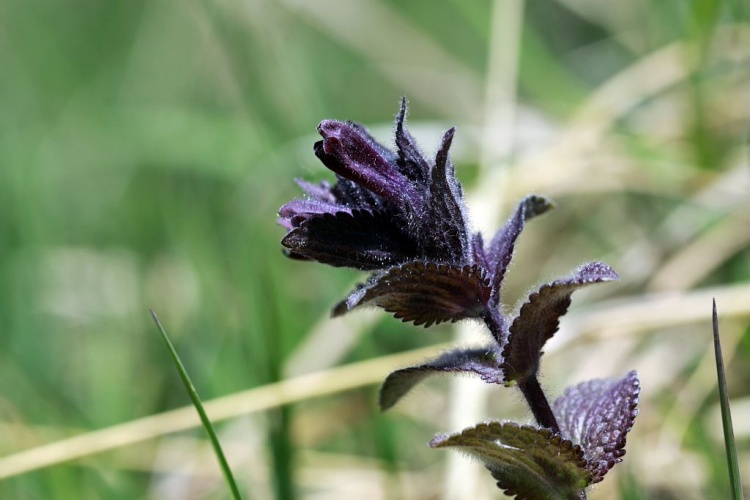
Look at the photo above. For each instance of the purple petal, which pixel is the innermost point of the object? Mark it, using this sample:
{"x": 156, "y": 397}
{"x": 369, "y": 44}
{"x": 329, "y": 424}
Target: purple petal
{"x": 482, "y": 362}
{"x": 389, "y": 155}
{"x": 363, "y": 240}
{"x": 425, "y": 293}
{"x": 528, "y": 463}
{"x": 320, "y": 192}
{"x": 539, "y": 319}
{"x": 598, "y": 415}
{"x": 297, "y": 211}
{"x": 354, "y": 155}
{"x": 501, "y": 247}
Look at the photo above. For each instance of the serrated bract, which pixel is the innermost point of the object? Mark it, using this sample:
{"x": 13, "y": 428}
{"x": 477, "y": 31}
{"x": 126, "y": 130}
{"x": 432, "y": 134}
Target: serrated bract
{"x": 424, "y": 293}
{"x": 598, "y": 415}
{"x": 539, "y": 319}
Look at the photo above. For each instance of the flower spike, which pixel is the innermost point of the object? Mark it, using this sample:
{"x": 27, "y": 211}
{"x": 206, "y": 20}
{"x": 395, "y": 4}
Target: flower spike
{"x": 402, "y": 217}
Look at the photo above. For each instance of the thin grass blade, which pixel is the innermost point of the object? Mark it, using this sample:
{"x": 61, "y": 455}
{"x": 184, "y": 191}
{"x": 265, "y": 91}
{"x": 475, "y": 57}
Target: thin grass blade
{"x": 228, "y": 477}
{"x": 726, "y": 414}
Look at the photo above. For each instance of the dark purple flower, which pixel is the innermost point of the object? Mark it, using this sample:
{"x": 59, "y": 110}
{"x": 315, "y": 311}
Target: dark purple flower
{"x": 402, "y": 217}
{"x": 385, "y": 208}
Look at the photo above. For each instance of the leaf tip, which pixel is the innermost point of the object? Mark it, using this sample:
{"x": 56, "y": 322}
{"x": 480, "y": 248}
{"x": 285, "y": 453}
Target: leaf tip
{"x": 438, "y": 441}
{"x": 596, "y": 272}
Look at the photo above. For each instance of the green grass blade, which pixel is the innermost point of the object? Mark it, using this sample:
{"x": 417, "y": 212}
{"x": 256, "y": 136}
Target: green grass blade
{"x": 201, "y": 412}
{"x": 726, "y": 415}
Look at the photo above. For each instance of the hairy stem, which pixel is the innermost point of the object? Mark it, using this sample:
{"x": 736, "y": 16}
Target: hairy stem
{"x": 537, "y": 401}
{"x": 496, "y": 324}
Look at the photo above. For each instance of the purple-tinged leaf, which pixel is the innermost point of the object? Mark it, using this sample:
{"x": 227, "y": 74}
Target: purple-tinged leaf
{"x": 349, "y": 152}
{"x": 598, "y": 415}
{"x": 482, "y": 362}
{"x": 411, "y": 161}
{"x": 539, "y": 319}
{"x": 424, "y": 293}
{"x": 480, "y": 257}
{"x": 444, "y": 227}
{"x": 362, "y": 240}
{"x": 528, "y": 463}
{"x": 500, "y": 250}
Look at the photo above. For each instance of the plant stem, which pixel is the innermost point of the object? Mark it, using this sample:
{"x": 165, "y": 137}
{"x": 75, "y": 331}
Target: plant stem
{"x": 496, "y": 324}
{"x": 537, "y": 401}
{"x": 529, "y": 386}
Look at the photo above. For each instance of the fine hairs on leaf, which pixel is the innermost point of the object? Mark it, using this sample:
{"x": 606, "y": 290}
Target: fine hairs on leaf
{"x": 527, "y": 462}
{"x": 401, "y": 216}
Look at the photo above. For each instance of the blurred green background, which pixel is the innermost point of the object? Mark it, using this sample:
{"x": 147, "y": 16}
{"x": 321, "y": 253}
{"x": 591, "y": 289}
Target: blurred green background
{"x": 145, "y": 147}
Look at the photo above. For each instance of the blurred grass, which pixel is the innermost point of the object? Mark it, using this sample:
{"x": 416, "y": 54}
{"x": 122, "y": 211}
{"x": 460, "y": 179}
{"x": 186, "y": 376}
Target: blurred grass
{"x": 146, "y": 147}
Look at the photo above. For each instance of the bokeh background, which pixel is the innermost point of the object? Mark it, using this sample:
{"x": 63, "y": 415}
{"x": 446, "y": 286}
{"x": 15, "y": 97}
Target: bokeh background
{"x": 145, "y": 147}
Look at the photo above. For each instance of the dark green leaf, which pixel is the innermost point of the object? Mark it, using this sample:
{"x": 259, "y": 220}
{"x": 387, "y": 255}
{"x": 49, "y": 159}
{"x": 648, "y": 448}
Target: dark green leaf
{"x": 527, "y": 462}
{"x": 726, "y": 415}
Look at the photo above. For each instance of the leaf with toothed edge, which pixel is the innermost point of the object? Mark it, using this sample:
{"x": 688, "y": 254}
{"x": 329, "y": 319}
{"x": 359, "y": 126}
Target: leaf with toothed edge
{"x": 527, "y": 462}
{"x": 539, "y": 319}
{"x": 482, "y": 362}
{"x": 500, "y": 250}
{"x": 362, "y": 240}
{"x": 598, "y": 415}
{"x": 423, "y": 293}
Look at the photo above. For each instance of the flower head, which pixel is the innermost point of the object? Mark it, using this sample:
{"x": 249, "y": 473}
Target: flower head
{"x": 402, "y": 216}
{"x": 385, "y": 208}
